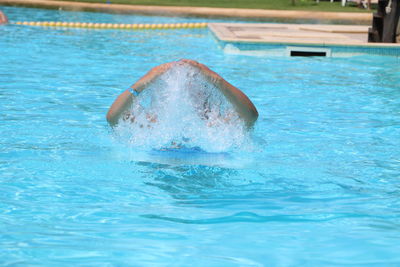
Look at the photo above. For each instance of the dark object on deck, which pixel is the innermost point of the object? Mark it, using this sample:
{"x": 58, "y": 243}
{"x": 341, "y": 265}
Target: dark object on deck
{"x": 385, "y": 23}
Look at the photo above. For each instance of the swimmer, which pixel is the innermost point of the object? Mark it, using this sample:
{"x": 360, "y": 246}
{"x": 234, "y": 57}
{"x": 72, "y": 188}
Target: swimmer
{"x": 3, "y": 18}
{"x": 241, "y": 103}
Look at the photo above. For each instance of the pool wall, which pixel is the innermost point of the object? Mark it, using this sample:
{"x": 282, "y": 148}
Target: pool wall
{"x": 282, "y": 49}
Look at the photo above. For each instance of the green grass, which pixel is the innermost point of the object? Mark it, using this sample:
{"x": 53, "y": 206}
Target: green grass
{"x": 310, "y": 5}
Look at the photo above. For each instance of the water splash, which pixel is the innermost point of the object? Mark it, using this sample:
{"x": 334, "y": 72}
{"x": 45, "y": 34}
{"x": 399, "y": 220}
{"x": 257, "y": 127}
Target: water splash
{"x": 183, "y": 109}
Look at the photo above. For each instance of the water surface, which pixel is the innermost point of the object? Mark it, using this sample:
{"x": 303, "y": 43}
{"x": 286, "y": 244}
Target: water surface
{"x": 320, "y": 186}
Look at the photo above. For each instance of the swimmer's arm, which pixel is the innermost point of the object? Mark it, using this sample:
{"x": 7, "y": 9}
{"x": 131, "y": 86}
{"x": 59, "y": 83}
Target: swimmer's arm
{"x": 118, "y": 108}
{"x": 242, "y": 104}
{"x": 240, "y": 101}
{"x": 124, "y": 100}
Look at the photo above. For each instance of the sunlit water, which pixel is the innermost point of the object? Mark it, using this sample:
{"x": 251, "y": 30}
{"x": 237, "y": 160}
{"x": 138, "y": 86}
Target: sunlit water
{"x": 316, "y": 182}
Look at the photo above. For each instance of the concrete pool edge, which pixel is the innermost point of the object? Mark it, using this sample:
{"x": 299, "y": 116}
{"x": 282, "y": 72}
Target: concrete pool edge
{"x": 250, "y": 14}
{"x": 333, "y": 39}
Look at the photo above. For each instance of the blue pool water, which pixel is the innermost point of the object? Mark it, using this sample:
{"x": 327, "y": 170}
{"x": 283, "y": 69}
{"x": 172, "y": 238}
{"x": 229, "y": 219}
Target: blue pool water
{"x": 319, "y": 184}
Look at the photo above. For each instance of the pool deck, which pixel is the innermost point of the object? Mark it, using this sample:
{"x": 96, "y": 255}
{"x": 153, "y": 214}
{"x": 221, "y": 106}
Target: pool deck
{"x": 295, "y": 34}
{"x": 250, "y": 14}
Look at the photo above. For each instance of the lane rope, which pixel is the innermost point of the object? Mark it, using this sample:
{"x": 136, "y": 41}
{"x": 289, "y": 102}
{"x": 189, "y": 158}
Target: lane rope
{"x": 112, "y": 25}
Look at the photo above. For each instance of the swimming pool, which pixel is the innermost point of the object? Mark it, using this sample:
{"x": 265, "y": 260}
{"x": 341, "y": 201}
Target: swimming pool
{"x": 320, "y": 187}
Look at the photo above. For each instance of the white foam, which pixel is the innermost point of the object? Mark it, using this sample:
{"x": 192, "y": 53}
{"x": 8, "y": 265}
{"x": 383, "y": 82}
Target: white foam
{"x": 187, "y": 110}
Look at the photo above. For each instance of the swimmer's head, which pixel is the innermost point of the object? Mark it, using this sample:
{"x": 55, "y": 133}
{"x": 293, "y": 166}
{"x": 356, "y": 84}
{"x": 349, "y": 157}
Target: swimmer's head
{"x": 200, "y": 100}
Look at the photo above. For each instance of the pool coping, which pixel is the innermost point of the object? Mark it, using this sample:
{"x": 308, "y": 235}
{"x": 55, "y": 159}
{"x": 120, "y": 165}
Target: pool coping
{"x": 251, "y": 14}
{"x": 223, "y": 33}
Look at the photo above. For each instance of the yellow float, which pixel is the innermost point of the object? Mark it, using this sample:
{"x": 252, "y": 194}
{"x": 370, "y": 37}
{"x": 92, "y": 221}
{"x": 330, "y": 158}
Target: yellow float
{"x": 113, "y": 26}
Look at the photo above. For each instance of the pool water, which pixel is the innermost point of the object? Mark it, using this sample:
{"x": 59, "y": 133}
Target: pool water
{"x": 320, "y": 184}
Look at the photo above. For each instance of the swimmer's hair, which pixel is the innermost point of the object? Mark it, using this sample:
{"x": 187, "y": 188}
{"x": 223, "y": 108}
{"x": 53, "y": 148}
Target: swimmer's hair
{"x": 3, "y": 18}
